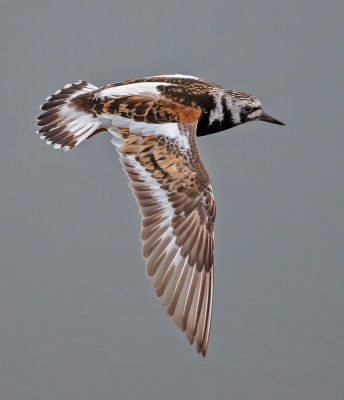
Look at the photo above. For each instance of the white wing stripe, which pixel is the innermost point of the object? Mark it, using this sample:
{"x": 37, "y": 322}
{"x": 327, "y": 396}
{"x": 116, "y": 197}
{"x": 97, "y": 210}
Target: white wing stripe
{"x": 179, "y": 76}
{"x": 150, "y": 88}
{"x": 169, "y": 130}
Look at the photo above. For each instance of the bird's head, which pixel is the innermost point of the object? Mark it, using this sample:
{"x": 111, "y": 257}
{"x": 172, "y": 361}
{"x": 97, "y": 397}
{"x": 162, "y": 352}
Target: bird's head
{"x": 243, "y": 107}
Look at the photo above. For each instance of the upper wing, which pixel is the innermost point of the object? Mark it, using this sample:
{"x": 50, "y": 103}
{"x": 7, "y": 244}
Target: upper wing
{"x": 175, "y": 198}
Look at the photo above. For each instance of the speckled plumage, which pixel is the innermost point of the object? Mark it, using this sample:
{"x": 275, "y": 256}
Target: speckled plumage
{"x": 154, "y": 123}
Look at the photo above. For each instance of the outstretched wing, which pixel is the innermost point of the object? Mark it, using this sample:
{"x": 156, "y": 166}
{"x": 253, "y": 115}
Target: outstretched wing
{"x": 175, "y": 198}
{"x": 153, "y": 122}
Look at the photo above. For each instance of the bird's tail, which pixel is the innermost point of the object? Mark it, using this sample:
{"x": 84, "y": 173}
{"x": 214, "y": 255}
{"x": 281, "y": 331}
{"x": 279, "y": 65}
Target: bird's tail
{"x": 62, "y": 124}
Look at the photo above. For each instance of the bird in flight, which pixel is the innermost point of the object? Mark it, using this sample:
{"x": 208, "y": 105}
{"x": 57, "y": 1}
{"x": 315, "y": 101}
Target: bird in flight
{"x": 154, "y": 123}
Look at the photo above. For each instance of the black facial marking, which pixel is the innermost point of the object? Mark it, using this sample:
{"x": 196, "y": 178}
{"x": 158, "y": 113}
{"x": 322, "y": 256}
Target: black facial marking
{"x": 205, "y": 128}
{"x": 243, "y": 117}
{"x": 227, "y": 114}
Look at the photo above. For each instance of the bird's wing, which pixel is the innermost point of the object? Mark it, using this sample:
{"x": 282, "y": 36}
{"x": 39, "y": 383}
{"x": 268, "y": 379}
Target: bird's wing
{"x": 155, "y": 135}
{"x": 153, "y": 122}
{"x": 174, "y": 194}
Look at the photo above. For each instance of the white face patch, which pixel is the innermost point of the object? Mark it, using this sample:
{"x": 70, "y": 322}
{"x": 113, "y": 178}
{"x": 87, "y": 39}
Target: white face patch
{"x": 255, "y": 114}
{"x": 216, "y": 114}
{"x": 236, "y": 104}
{"x": 234, "y": 108}
{"x": 131, "y": 89}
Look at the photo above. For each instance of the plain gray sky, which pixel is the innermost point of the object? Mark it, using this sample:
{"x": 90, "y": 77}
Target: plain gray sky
{"x": 78, "y": 317}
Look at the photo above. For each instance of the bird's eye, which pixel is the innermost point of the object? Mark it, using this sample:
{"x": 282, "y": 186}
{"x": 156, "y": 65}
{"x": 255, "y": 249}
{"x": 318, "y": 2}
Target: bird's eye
{"x": 247, "y": 108}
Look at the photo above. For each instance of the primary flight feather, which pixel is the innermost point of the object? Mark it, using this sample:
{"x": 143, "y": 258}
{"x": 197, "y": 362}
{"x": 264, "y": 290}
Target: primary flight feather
{"x": 154, "y": 123}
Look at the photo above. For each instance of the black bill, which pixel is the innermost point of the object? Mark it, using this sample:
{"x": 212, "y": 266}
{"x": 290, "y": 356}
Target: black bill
{"x": 267, "y": 118}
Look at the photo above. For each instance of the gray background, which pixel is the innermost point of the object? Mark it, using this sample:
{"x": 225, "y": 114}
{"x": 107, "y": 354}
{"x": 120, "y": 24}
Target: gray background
{"x": 78, "y": 318}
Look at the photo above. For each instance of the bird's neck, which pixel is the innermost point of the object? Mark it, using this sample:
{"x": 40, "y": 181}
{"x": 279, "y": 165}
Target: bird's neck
{"x": 215, "y": 118}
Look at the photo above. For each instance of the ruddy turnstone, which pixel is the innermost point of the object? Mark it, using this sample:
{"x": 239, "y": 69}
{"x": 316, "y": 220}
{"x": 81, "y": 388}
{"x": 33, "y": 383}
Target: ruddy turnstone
{"x": 154, "y": 123}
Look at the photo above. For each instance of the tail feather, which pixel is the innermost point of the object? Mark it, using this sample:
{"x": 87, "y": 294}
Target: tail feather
{"x": 61, "y": 123}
